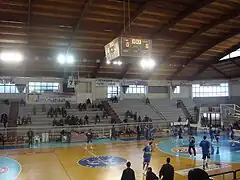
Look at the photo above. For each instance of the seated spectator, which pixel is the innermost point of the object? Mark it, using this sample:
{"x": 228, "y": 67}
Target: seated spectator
{"x": 80, "y": 107}
{"x": 147, "y": 101}
{"x": 61, "y": 122}
{"x": 197, "y": 174}
{"x": 146, "y": 118}
{"x": 139, "y": 119}
{"x": 58, "y": 110}
{"x": 150, "y": 175}
{"x": 67, "y": 105}
{"x": 105, "y": 115}
{"x": 22, "y": 102}
{"x": 86, "y": 119}
{"x": 125, "y": 120}
{"x": 24, "y": 120}
{"x": 54, "y": 122}
{"x": 29, "y": 119}
{"x": 179, "y": 119}
{"x": 97, "y": 118}
{"x": 113, "y": 120}
{"x": 128, "y": 173}
{"x": 19, "y": 122}
{"x": 135, "y": 116}
{"x": 80, "y": 121}
{"x": 88, "y": 101}
{"x": 64, "y": 112}
{"x": 167, "y": 171}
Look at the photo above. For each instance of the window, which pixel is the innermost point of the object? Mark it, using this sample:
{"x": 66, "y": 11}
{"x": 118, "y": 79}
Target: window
{"x": 8, "y": 88}
{"x": 40, "y": 87}
{"x": 136, "y": 89}
{"x": 177, "y": 90}
{"x": 210, "y": 91}
{"x": 113, "y": 91}
{"x": 231, "y": 55}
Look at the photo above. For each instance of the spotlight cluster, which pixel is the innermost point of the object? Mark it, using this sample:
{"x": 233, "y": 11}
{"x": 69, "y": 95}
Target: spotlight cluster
{"x": 147, "y": 64}
{"x": 65, "y": 59}
{"x": 118, "y": 63}
{"x": 11, "y": 57}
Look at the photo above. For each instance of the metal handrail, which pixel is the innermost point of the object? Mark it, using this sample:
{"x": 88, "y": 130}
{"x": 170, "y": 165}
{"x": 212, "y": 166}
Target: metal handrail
{"x": 234, "y": 174}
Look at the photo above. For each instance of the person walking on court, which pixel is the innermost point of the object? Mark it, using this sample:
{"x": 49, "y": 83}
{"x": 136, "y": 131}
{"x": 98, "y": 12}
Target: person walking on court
{"x": 167, "y": 171}
{"x": 128, "y": 173}
{"x": 191, "y": 146}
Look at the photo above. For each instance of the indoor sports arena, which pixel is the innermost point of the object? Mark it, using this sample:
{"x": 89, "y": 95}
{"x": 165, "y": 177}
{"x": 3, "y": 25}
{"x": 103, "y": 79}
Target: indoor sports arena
{"x": 119, "y": 89}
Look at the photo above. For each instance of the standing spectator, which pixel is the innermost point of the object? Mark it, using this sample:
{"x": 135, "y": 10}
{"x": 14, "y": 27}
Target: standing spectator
{"x": 128, "y": 173}
{"x": 167, "y": 171}
{"x": 151, "y": 175}
{"x": 86, "y": 119}
{"x": 138, "y": 132}
{"x": 30, "y": 135}
{"x": 5, "y": 121}
{"x": 113, "y": 133}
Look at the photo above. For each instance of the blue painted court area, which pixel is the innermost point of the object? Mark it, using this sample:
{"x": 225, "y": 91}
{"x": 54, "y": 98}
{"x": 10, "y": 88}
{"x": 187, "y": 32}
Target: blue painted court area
{"x": 222, "y": 152}
{"x": 102, "y": 161}
{"x": 9, "y": 168}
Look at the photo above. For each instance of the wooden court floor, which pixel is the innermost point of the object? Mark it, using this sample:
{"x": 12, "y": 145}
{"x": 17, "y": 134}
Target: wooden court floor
{"x": 61, "y": 163}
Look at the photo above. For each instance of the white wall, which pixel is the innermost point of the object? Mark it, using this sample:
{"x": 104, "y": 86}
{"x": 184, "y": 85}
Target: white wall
{"x": 185, "y": 92}
{"x": 234, "y": 88}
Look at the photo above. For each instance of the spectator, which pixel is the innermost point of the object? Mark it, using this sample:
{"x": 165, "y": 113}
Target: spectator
{"x": 30, "y": 135}
{"x": 128, "y": 173}
{"x": 139, "y": 119}
{"x": 151, "y": 175}
{"x": 167, "y": 171}
{"x": 29, "y": 119}
{"x": 86, "y": 119}
{"x": 197, "y": 174}
{"x": 97, "y": 118}
{"x": 147, "y": 101}
{"x": 138, "y": 132}
{"x": 88, "y": 101}
{"x": 179, "y": 119}
{"x": 22, "y": 102}
{"x": 113, "y": 133}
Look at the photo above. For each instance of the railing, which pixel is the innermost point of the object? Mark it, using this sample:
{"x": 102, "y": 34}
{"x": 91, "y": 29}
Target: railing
{"x": 185, "y": 110}
{"x": 157, "y": 112}
{"x": 225, "y": 175}
{"x": 100, "y": 130}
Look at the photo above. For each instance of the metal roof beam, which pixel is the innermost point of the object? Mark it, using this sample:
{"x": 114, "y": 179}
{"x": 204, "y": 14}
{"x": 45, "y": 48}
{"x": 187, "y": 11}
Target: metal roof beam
{"x": 211, "y": 25}
{"x": 182, "y": 15}
{"x": 86, "y": 5}
{"x": 201, "y": 51}
{"x": 219, "y": 71}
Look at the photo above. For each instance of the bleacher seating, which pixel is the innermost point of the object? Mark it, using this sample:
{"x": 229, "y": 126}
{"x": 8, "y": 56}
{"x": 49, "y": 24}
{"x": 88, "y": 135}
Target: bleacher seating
{"x": 211, "y": 101}
{"x": 41, "y": 119}
{"x": 168, "y": 108}
{"x": 135, "y": 106}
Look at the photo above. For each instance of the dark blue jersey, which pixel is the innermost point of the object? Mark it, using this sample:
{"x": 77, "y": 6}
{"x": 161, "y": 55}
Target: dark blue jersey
{"x": 205, "y": 145}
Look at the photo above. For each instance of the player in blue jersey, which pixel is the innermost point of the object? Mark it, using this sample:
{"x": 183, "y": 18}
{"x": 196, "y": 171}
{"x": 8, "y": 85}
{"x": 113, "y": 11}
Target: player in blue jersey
{"x": 205, "y": 145}
{"x": 147, "y": 156}
{"x": 211, "y": 133}
{"x": 232, "y": 136}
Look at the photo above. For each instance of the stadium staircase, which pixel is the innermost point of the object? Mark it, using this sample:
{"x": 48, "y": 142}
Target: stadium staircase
{"x": 110, "y": 111}
{"x": 168, "y": 109}
{"x": 188, "y": 108}
{"x": 12, "y": 117}
{"x": 139, "y": 106}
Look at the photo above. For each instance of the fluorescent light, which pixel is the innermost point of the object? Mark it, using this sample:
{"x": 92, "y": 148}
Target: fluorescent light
{"x": 115, "y": 62}
{"x": 70, "y": 59}
{"x": 119, "y": 63}
{"x": 147, "y": 64}
{"x": 11, "y": 57}
{"x": 61, "y": 59}
{"x": 108, "y": 62}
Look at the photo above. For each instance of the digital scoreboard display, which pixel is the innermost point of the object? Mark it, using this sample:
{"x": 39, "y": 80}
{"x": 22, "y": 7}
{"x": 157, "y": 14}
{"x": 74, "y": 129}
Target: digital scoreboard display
{"x": 136, "y": 47}
{"x": 128, "y": 47}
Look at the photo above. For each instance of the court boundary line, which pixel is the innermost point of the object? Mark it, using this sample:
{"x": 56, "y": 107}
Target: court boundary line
{"x": 62, "y": 165}
{"x": 17, "y": 163}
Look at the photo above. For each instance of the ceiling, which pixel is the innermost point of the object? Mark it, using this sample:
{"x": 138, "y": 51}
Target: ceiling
{"x": 189, "y": 36}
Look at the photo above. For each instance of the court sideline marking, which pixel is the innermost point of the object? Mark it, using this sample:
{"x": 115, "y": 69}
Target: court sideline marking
{"x": 62, "y": 165}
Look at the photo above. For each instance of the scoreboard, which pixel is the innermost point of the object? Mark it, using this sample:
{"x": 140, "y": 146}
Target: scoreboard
{"x": 128, "y": 47}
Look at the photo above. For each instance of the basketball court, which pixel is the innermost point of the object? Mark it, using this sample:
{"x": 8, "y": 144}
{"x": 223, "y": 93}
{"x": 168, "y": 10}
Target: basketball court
{"x": 108, "y": 159}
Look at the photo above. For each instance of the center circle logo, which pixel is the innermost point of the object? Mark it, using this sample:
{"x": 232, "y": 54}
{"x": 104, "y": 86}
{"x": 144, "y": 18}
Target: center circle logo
{"x": 184, "y": 150}
{"x": 3, "y": 170}
{"x": 102, "y": 161}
